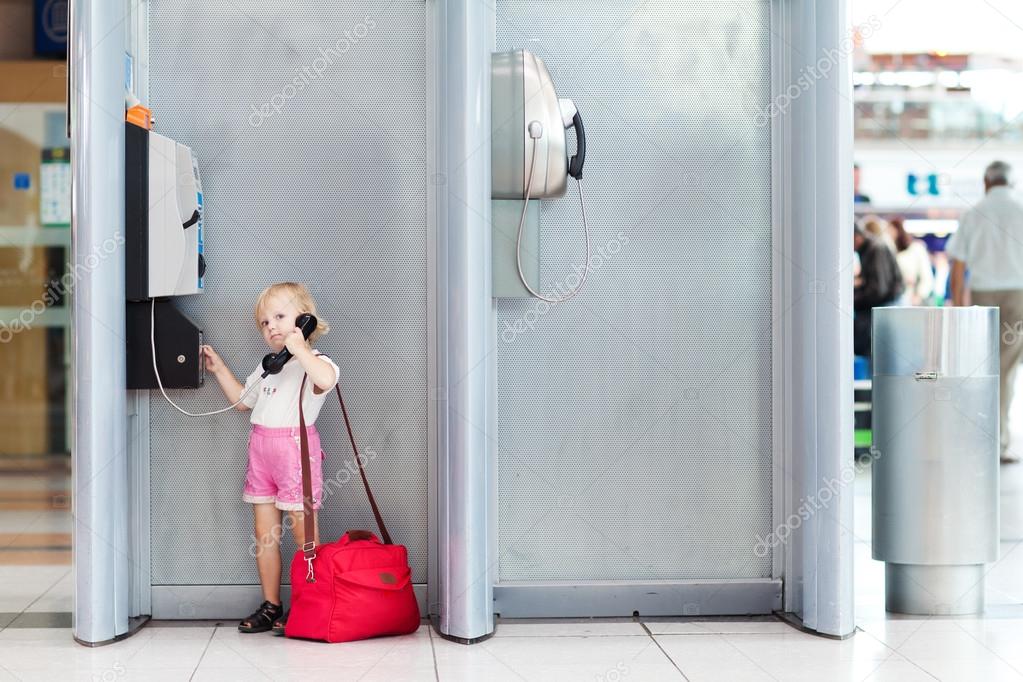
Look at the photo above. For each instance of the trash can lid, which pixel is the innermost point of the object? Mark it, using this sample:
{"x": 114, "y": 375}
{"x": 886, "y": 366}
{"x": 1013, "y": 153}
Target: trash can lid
{"x": 948, "y": 341}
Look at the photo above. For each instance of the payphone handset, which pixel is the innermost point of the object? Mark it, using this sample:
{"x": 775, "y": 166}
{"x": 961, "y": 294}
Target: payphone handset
{"x": 274, "y": 362}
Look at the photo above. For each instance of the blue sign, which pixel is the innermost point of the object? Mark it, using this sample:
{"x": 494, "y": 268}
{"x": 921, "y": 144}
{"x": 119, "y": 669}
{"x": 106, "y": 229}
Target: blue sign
{"x": 22, "y": 181}
{"x": 913, "y": 180}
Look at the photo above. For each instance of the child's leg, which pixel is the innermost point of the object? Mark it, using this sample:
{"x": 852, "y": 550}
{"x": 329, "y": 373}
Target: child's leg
{"x": 297, "y": 520}
{"x": 267, "y": 523}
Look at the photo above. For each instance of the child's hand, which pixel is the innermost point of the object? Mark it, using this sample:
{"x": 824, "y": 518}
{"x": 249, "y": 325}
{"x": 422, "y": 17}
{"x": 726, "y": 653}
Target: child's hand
{"x": 295, "y": 341}
{"x": 213, "y": 362}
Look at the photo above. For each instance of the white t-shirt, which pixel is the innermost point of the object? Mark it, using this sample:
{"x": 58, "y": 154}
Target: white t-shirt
{"x": 990, "y": 241}
{"x": 915, "y": 264}
{"x": 274, "y": 402}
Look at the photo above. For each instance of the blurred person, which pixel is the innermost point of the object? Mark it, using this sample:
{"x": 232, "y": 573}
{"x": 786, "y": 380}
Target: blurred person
{"x": 989, "y": 242}
{"x": 879, "y": 284}
{"x": 858, "y": 197}
{"x": 914, "y": 264}
{"x": 942, "y": 291}
{"x": 877, "y": 227}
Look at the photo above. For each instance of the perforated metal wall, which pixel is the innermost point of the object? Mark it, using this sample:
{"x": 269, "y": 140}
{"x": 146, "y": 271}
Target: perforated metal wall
{"x": 309, "y": 123}
{"x": 635, "y": 421}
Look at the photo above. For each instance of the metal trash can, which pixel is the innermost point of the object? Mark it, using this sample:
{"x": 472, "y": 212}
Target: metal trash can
{"x": 935, "y": 455}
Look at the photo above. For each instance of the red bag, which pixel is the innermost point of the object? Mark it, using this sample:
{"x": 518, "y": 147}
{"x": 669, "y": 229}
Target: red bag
{"x": 355, "y": 588}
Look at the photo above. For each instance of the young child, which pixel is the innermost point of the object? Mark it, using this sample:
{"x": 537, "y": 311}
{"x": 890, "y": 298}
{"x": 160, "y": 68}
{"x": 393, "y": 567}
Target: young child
{"x": 273, "y": 482}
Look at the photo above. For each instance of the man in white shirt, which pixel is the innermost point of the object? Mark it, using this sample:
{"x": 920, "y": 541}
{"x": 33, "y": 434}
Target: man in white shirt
{"x": 989, "y": 242}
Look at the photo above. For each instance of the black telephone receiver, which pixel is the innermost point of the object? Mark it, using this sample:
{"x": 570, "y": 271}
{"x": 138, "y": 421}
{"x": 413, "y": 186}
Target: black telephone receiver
{"x": 274, "y": 362}
{"x": 575, "y": 164}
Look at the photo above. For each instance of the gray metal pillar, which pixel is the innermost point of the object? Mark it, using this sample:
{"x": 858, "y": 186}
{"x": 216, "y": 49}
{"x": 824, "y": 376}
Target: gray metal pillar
{"x": 99, "y": 457}
{"x": 462, "y": 41}
{"x": 833, "y": 226}
{"x": 813, "y": 105}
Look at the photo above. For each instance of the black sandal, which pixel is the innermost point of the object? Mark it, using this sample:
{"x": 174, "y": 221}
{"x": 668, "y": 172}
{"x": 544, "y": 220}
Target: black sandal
{"x": 279, "y": 624}
{"x": 262, "y": 619}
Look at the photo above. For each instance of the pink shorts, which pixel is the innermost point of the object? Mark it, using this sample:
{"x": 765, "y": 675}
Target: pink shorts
{"x": 275, "y": 467}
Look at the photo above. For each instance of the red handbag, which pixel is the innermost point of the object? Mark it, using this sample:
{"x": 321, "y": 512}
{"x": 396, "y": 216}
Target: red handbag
{"x": 355, "y": 588}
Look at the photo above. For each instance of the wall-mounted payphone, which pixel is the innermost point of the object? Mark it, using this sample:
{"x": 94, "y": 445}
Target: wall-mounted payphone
{"x": 164, "y": 217}
{"x": 529, "y": 161}
{"x": 163, "y": 258}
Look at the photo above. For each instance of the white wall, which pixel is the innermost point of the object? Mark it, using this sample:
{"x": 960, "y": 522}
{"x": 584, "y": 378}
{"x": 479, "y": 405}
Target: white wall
{"x": 988, "y": 27}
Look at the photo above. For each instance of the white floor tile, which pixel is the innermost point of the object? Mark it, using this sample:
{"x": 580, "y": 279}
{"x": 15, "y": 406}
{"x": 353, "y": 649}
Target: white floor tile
{"x": 110, "y": 675}
{"x": 394, "y": 673}
{"x": 168, "y": 653}
{"x": 719, "y": 627}
{"x": 555, "y": 658}
{"x": 20, "y": 586}
{"x": 59, "y": 598}
{"x": 1003, "y": 583}
{"x": 173, "y": 632}
{"x": 700, "y": 651}
{"x": 223, "y": 655}
{"x": 945, "y": 644}
{"x": 980, "y": 669}
{"x": 221, "y": 667}
{"x": 467, "y": 673}
{"x": 56, "y": 661}
{"x": 897, "y": 671}
{"x": 335, "y": 674}
{"x": 19, "y": 603}
{"x": 733, "y": 670}
{"x": 801, "y": 648}
{"x": 449, "y": 672}
{"x": 58, "y": 636}
{"x": 604, "y": 653}
{"x": 895, "y": 633}
{"x": 588, "y": 629}
{"x": 848, "y": 671}
{"x": 204, "y": 674}
{"x": 230, "y": 648}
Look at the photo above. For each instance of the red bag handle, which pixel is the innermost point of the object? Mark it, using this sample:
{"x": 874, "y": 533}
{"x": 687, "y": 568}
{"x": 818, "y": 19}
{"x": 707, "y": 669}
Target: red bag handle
{"x": 309, "y": 548}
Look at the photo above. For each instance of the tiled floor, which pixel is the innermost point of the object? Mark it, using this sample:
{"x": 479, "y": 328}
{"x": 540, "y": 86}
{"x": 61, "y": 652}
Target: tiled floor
{"x": 886, "y": 647}
{"x": 914, "y": 649}
{"x": 35, "y": 543}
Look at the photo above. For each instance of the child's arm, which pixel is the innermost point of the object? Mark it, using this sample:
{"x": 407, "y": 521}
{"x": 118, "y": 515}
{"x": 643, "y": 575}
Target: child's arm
{"x": 228, "y": 384}
{"x": 320, "y": 372}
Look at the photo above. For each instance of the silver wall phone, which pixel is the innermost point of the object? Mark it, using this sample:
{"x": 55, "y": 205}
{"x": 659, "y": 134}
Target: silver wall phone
{"x": 529, "y": 157}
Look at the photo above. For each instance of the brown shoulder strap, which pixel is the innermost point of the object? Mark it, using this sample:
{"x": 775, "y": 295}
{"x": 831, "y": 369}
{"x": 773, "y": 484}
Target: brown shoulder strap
{"x": 362, "y": 471}
{"x": 308, "y": 520}
{"x": 307, "y": 486}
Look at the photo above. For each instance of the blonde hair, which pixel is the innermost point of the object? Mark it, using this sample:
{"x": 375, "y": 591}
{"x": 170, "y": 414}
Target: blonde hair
{"x": 875, "y": 225}
{"x": 300, "y": 296}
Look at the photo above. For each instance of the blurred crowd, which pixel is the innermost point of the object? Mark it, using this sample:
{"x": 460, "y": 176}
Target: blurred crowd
{"x": 980, "y": 264}
{"x": 892, "y": 267}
